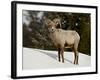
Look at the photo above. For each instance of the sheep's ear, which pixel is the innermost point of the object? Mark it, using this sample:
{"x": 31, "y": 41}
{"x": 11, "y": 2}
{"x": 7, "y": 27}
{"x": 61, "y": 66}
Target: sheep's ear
{"x": 47, "y": 21}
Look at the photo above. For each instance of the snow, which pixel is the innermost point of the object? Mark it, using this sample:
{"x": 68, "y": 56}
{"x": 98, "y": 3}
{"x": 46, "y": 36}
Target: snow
{"x": 26, "y": 18}
{"x": 40, "y": 15}
{"x": 44, "y": 59}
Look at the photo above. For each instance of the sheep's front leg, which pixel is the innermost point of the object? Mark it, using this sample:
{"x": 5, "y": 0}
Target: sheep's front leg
{"x": 62, "y": 54}
{"x": 59, "y": 54}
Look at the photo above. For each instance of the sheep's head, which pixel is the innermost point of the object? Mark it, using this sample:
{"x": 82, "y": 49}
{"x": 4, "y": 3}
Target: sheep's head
{"x": 51, "y": 26}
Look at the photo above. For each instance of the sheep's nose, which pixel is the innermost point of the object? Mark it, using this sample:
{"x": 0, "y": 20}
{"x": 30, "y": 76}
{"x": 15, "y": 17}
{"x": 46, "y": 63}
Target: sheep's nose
{"x": 52, "y": 28}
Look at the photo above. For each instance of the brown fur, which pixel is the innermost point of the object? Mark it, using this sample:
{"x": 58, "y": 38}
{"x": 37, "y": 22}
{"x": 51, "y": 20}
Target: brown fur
{"x": 63, "y": 39}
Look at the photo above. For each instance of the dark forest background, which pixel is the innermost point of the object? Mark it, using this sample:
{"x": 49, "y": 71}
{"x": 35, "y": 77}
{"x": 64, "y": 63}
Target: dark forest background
{"x": 35, "y": 35}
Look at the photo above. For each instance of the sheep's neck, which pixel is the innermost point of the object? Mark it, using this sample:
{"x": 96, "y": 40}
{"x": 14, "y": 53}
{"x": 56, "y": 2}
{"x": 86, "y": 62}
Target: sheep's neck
{"x": 54, "y": 33}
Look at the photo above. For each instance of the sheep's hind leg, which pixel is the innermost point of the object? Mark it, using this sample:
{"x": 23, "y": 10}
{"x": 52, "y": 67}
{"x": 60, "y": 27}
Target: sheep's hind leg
{"x": 76, "y": 57}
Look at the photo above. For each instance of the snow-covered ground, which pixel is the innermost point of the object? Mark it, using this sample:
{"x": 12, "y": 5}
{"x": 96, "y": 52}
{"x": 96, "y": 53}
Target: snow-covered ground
{"x": 43, "y": 59}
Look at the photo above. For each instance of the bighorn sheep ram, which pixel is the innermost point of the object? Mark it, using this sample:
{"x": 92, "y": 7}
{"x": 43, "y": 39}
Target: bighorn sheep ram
{"x": 63, "y": 39}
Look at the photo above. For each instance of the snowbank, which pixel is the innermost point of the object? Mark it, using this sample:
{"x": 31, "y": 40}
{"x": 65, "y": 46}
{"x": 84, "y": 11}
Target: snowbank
{"x": 43, "y": 59}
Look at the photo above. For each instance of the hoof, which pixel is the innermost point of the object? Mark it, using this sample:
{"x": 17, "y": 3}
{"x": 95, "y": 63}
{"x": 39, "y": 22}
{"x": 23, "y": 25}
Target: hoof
{"x": 75, "y": 63}
{"x": 62, "y": 61}
{"x": 59, "y": 61}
